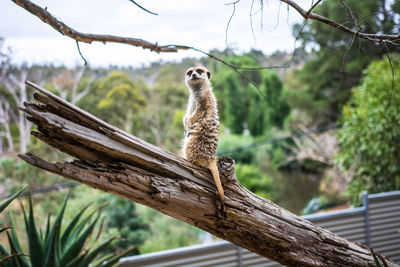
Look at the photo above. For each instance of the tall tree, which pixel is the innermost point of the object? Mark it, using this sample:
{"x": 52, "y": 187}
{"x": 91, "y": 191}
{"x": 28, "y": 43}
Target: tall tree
{"x": 119, "y": 93}
{"x": 234, "y": 106}
{"x": 340, "y": 57}
{"x": 270, "y": 110}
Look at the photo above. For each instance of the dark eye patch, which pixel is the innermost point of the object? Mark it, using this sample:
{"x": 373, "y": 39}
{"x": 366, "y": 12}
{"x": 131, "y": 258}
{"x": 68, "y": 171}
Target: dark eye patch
{"x": 199, "y": 71}
{"x": 189, "y": 72}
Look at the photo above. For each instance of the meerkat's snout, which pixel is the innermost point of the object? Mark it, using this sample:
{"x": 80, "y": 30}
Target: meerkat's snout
{"x": 194, "y": 76}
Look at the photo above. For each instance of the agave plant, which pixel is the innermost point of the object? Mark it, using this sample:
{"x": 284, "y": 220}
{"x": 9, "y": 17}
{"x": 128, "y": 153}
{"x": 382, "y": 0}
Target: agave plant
{"x": 74, "y": 246}
{"x": 4, "y": 255}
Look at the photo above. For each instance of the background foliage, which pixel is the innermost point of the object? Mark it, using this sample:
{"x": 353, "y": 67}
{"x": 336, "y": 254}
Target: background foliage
{"x": 371, "y": 131}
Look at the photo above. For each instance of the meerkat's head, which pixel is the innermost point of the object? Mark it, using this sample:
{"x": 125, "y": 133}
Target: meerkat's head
{"x": 197, "y": 77}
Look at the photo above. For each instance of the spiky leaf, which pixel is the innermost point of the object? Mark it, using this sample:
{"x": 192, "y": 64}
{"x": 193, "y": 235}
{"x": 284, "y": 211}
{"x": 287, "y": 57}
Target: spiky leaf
{"x": 34, "y": 242}
{"x": 94, "y": 253}
{"x": 71, "y": 226}
{"x": 8, "y": 201}
{"x": 77, "y": 246}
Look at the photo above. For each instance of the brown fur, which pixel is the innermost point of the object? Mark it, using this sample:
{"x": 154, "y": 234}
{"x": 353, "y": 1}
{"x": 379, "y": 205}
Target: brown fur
{"x": 201, "y": 124}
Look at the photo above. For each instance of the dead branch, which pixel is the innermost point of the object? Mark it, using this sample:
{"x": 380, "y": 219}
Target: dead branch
{"x": 373, "y": 37}
{"x": 64, "y": 29}
{"x": 116, "y": 162}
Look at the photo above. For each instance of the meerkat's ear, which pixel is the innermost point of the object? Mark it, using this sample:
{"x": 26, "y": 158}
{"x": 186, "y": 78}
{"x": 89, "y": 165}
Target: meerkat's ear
{"x": 208, "y": 74}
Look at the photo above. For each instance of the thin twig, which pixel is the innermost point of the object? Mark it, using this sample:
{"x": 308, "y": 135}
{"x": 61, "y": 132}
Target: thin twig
{"x": 313, "y": 6}
{"x": 236, "y": 67}
{"x": 139, "y": 6}
{"x": 251, "y": 82}
{"x": 353, "y": 17}
{"x": 12, "y": 256}
{"x": 392, "y": 69}
{"x": 295, "y": 41}
{"x": 344, "y": 61}
{"x": 79, "y": 51}
{"x": 277, "y": 19}
{"x": 230, "y": 19}
{"x": 251, "y": 20}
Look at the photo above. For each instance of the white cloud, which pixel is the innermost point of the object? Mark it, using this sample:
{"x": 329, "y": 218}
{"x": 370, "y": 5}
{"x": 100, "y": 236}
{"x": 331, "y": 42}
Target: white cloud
{"x": 195, "y": 23}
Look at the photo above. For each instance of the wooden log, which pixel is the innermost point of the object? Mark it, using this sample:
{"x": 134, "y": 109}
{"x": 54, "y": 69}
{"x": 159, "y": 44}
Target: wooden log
{"x": 117, "y": 162}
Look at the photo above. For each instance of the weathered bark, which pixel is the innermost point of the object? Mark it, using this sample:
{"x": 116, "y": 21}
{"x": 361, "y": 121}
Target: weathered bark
{"x": 116, "y": 162}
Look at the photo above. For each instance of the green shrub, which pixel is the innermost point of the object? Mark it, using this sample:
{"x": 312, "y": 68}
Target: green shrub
{"x": 369, "y": 139}
{"x": 253, "y": 179}
{"x": 59, "y": 245}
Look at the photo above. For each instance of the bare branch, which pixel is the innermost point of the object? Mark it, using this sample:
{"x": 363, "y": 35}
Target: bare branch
{"x": 61, "y": 27}
{"x": 368, "y": 36}
{"x": 353, "y": 17}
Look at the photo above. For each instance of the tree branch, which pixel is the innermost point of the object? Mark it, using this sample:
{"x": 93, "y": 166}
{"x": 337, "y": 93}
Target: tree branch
{"x": 116, "y": 162}
{"x": 368, "y": 36}
{"x": 64, "y": 29}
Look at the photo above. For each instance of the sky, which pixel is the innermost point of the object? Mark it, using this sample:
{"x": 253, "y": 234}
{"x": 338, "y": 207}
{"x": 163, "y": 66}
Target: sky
{"x": 201, "y": 24}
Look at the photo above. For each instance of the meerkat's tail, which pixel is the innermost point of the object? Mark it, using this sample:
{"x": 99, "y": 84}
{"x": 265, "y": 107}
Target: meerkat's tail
{"x": 215, "y": 173}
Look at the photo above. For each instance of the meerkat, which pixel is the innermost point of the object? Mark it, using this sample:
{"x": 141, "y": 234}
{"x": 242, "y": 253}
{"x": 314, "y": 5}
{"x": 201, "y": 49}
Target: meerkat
{"x": 201, "y": 124}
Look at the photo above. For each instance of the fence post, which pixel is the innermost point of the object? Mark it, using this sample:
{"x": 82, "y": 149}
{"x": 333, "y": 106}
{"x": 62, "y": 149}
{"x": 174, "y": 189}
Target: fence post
{"x": 367, "y": 226}
{"x": 239, "y": 256}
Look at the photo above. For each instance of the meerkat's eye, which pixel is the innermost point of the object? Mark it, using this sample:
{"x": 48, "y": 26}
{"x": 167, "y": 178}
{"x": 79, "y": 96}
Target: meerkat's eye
{"x": 199, "y": 71}
{"x": 189, "y": 73}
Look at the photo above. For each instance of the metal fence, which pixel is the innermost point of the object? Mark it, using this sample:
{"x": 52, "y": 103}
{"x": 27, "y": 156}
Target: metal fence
{"x": 376, "y": 224}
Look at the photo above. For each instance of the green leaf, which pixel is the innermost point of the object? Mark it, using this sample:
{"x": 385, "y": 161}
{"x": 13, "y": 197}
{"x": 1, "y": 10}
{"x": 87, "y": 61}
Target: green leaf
{"x": 17, "y": 261}
{"x": 71, "y": 226}
{"x": 51, "y": 245}
{"x": 15, "y": 237}
{"x": 378, "y": 264}
{"x": 78, "y": 229}
{"x": 114, "y": 259}
{"x": 8, "y": 201}
{"x": 94, "y": 253}
{"x": 77, "y": 261}
{"x": 46, "y": 235}
{"x": 3, "y": 254}
{"x": 74, "y": 249}
{"x": 35, "y": 246}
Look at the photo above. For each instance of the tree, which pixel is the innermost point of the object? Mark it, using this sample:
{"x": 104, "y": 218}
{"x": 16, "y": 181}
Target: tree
{"x": 268, "y": 112}
{"x": 234, "y": 106}
{"x": 114, "y": 161}
{"x": 369, "y": 139}
{"x": 339, "y": 58}
{"x": 13, "y": 87}
{"x": 116, "y": 92}
{"x": 166, "y": 107}
{"x": 122, "y": 215}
